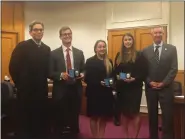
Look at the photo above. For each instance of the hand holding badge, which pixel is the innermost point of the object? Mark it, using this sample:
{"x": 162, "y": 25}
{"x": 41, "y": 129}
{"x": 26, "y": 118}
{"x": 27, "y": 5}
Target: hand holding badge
{"x": 75, "y": 74}
{"x": 108, "y": 82}
{"x": 125, "y": 76}
{"x": 128, "y": 75}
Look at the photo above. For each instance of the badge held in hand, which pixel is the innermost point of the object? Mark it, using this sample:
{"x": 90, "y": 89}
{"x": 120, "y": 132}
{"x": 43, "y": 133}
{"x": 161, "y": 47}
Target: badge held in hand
{"x": 109, "y": 82}
{"x": 122, "y": 75}
{"x": 128, "y": 75}
{"x": 77, "y": 74}
{"x": 74, "y": 73}
{"x": 118, "y": 77}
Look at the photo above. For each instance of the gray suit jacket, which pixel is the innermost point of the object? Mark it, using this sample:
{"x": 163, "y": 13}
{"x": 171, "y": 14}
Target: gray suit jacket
{"x": 57, "y": 66}
{"x": 168, "y": 66}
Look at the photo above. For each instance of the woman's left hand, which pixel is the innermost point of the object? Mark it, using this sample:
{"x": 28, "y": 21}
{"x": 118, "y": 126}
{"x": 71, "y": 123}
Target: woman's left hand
{"x": 129, "y": 80}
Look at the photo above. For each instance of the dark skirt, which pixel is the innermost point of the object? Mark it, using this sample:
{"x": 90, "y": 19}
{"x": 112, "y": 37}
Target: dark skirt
{"x": 100, "y": 104}
{"x": 130, "y": 100}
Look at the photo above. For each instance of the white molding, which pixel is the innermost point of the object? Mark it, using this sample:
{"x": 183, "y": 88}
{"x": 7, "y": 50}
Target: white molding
{"x": 111, "y": 24}
{"x": 160, "y": 16}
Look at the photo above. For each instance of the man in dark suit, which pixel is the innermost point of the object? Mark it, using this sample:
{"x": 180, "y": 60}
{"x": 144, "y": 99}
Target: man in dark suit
{"x": 66, "y": 92}
{"x": 162, "y": 69}
{"x": 29, "y": 71}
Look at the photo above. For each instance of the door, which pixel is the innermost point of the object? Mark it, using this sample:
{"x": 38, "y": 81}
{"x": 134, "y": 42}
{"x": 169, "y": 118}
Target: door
{"x": 9, "y": 41}
{"x": 143, "y": 38}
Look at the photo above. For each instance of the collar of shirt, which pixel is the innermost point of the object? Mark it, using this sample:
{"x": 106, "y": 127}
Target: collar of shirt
{"x": 65, "y": 48}
{"x": 39, "y": 44}
{"x": 161, "y": 44}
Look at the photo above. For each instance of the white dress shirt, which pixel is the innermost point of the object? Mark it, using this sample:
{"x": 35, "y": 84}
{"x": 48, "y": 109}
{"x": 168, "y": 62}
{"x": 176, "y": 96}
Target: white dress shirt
{"x": 71, "y": 57}
{"x": 38, "y": 43}
{"x": 70, "y": 54}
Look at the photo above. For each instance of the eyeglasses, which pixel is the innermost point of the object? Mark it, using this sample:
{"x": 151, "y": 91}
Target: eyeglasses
{"x": 67, "y": 34}
{"x": 37, "y": 30}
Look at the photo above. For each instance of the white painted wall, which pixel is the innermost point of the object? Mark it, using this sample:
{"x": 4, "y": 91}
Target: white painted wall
{"x": 91, "y": 20}
{"x": 177, "y": 30}
{"x": 134, "y": 14}
{"x": 87, "y": 21}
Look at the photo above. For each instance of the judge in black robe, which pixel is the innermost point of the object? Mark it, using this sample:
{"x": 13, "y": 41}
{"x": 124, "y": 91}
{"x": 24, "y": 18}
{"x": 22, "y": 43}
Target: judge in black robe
{"x": 29, "y": 71}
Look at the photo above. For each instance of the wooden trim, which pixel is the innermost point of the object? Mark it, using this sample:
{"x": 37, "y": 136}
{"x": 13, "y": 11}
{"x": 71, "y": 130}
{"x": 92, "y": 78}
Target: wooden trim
{"x": 23, "y": 21}
{"x": 181, "y": 71}
{"x": 179, "y": 118}
{"x": 11, "y": 32}
{"x": 179, "y": 100}
{"x": 19, "y": 23}
{"x": 8, "y": 31}
{"x": 180, "y": 77}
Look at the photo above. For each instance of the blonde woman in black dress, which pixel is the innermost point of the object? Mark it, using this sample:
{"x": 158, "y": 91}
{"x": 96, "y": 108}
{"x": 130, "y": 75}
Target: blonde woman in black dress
{"x": 99, "y": 97}
{"x": 128, "y": 60}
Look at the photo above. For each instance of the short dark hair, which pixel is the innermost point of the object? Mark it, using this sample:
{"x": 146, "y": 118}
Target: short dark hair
{"x": 64, "y": 28}
{"x": 34, "y": 23}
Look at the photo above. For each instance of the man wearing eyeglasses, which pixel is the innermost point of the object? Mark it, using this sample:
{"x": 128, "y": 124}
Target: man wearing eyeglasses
{"x": 29, "y": 71}
{"x": 67, "y": 90}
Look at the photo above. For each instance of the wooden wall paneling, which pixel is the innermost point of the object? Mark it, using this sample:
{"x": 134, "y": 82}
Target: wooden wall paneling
{"x": 180, "y": 77}
{"x": 19, "y": 24}
{"x": 9, "y": 41}
{"x": 12, "y": 31}
{"x": 7, "y": 14}
{"x": 13, "y": 18}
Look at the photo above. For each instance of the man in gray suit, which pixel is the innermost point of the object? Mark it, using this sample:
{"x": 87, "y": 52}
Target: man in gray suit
{"x": 162, "y": 69}
{"x": 66, "y": 93}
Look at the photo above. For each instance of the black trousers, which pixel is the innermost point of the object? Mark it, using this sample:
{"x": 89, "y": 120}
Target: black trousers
{"x": 32, "y": 118}
{"x": 67, "y": 112}
{"x": 165, "y": 97}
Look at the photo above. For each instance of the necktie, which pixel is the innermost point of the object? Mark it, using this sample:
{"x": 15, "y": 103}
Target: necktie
{"x": 157, "y": 54}
{"x": 68, "y": 59}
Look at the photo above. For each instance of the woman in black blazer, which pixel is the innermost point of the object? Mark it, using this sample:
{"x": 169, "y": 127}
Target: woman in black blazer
{"x": 128, "y": 60}
{"x": 99, "y": 97}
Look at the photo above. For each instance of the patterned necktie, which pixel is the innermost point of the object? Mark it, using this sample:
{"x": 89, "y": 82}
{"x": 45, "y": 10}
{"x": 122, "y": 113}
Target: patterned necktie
{"x": 68, "y": 59}
{"x": 157, "y": 54}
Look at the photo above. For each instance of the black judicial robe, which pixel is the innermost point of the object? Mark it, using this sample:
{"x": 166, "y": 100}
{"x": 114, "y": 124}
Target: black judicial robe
{"x": 29, "y": 70}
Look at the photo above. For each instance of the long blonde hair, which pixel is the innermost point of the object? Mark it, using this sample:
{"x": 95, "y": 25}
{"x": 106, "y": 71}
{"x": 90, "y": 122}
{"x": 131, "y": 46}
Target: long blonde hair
{"x": 127, "y": 55}
{"x": 107, "y": 62}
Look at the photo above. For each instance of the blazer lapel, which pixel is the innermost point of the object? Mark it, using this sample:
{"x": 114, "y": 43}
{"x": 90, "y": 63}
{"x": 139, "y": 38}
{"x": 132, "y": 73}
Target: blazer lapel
{"x": 62, "y": 59}
{"x": 74, "y": 58}
{"x": 151, "y": 53}
{"x": 163, "y": 53}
